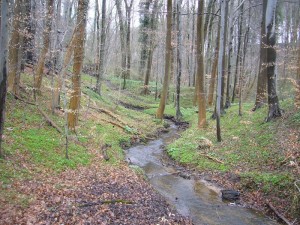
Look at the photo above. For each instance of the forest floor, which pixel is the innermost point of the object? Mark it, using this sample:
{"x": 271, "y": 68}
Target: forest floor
{"x": 38, "y": 185}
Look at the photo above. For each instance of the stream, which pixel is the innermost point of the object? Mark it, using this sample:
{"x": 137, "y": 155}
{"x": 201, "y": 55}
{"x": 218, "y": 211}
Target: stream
{"x": 198, "y": 200}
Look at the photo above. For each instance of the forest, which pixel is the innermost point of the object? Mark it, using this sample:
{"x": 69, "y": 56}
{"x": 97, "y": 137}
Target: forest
{"x": 150, "y": 112}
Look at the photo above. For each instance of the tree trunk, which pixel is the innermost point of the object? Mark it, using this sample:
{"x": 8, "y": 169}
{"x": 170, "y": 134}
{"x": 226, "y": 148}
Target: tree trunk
{"x": 123, "y": 42}
{"x": 230, "y": 49}
{"x": 239, "y": 57}
{"x": 78, "y": 61}
{"x": 63, "y": 72}
{"x": 3, "y": 57}
{"x": 214, "y": 71}
{"x": 144, "y": 33}
{"x": 179, "y": 60}
{"x": 128, "y": 37}
{"x": 14, "y": 46}
{"x": 200, "y": 67}
{"x": 297, "y": 95}
{"x": 262, "y": 76}
{"x": 102, "y": 48}
{"x": 151, "y": 37}
{"x": 46, "y": 44}
{"x": 220, "y": 69}
{"x": 273, "y": 103}
{"x": 163, "y": 99}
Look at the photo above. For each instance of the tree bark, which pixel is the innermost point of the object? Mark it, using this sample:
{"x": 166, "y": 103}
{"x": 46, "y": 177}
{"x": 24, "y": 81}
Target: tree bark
{"x": 163, "y": 99}
{"x": 212, "y": 84}
{"x": 3, "y": 58}
{"x": 297, "y": 96}
{"x": 262, "y": 76}
{"x": 46, "y": 44}
{"x": 220, "y": 69}
{"x": 123, "y": 42}
{"x": 273, "y": 102}
{"x": 102, "y": 48}
{"x": 14, "y": 46}
{"x": 153, "y": 27}
{"x": 179, "y": 60}
{"x": 200, "y": 67}
{"x": 78, "y": 61}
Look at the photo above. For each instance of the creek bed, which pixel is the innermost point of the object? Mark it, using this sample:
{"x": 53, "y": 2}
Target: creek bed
{"x": 193, "y": 198}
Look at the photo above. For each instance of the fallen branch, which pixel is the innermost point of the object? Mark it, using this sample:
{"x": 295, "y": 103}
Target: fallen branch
{"x": 212, "y": 158}
{"x": 101, "y": 110}
{"x": 23, "y": 100}
{"x": 114, "y": 123}
{"x": 106, "y": 202}
{"x": 278, "y": 214}
{"x": 50, "y": 121}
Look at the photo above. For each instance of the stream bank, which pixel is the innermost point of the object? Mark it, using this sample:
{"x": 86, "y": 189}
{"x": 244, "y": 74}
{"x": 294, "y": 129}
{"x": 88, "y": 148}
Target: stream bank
{"x": 191, "y": 197}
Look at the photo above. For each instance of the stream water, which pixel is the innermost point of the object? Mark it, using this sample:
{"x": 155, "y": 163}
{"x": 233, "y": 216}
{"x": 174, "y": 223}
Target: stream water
{"x": 197, "y": 199}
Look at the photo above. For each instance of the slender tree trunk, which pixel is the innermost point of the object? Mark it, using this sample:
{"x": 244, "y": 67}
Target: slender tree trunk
{"x": 239, "y": 57}
{"x": 179, "y": 60}
{"x": 273, "y": 102}
{"x": 3, "y": 58}
{"x": 102, "y": 48}
{"x": 14, "y": 46}
{"x": 128, "y": 37}
{"x": 220, "y": 69}
{"x": 78, "y": 61}
{"x": 297, "y": 96}
{"x": 46, "y": 44}
{"x": 163, "y": 99}
{"x": 230, "y": 49}
{"x": 262, "y": 76}
{"x": 62, "y": 75}
{"x": 200, "y": 67}
{"x": 123, "y": 42}
{"x": 144, "y": 34}
{"x": 151, "y": 38}
{"x": 212, "y": 84}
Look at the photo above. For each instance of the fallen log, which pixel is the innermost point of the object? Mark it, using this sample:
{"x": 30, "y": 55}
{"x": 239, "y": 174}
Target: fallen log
{"x": 211, "y": 158}
{"x": 278, "y": 214}
{"x": 106, "y": 202}
{"x": 50, "y": 121}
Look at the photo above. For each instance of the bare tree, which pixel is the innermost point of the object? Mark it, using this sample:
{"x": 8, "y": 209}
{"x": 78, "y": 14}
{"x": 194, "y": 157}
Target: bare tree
{"x": 273, "y": 102}
{"x": 163, "y": 98}
{"x": 46, "y": 44}
{"x": 3, "y": 58}
{"x": 220, "y": 69}
{"x": 201, "y": 97}
{"x": 79, "y": 36}
{"x": 102, "y": 48}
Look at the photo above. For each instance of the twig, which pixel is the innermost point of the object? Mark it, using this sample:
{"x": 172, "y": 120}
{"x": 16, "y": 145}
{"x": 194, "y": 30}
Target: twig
{"x": 106, "y": 202}
{"x": 212, "y": 158}
{"x": 278, "y": 214}
{"x": 50, "y": 121}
